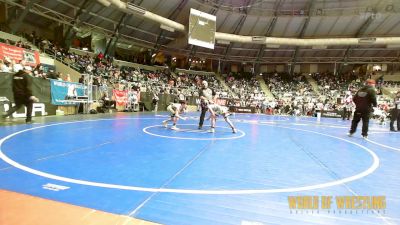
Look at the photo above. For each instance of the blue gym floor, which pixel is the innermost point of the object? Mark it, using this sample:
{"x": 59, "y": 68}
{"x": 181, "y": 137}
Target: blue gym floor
{"x": 129, "y": 164}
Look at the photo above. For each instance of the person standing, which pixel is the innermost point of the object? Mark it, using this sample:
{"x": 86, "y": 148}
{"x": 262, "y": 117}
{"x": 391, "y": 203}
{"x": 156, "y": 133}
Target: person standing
{"x": 365, "y": 100}
{"x": 347, "y": 106}
{"x": 395, "y": 113}
{"x": 205, "y": 94}
{"x": 21, "y": 86}
{"x": 155, "y": 101}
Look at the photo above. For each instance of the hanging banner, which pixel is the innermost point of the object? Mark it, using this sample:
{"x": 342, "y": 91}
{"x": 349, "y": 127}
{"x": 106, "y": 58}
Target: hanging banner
{"x": 15, "y": 53}
{"x": 120, "y": 97}
{"x": 63, "y": 93}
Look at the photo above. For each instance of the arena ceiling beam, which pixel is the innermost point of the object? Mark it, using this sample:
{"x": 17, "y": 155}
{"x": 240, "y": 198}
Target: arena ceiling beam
{"x": 248, "y": 39}
{"x": 21, "y": 17}
{"x": 67, "y": 20}
{"x": 141, "y": 22}
{"x": 309, "y": 49}
{"x": 95, "y": 15}
{"x": 301, "y": 35}
{"x": 238, "y": 27}
{"x": 281, "y": 60}
{"x": 268, "y": 33}
{"x": 64, "y": 19}
{"x": 358, "y": 34}
{"x": 141, "y": 12}
{"x": 318, "y": 10}
{"x": 172, "y": 16}
{"x": 69, "y": 34}
{"x": 115, "y": 36}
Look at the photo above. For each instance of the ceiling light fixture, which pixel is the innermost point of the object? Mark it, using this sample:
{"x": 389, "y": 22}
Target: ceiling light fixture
{"x": 136, "y": 9}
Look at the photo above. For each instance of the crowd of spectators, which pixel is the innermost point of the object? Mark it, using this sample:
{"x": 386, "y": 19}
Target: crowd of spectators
{"x": 391, "y": 84}
{"x": 247, "y": 90}
{"x": 284, "y": 86}
{"x": 293, "y": 94}
{"x": 8, "y": 65}
{"x": 331, "y": 88}
{"x": 183, "y": 84}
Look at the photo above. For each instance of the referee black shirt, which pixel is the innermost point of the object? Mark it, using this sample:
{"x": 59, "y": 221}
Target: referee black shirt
{"x": 21, "y": 85}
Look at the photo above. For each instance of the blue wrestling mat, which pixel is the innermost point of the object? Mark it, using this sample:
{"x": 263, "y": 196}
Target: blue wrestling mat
{"x": 132, "y": 165}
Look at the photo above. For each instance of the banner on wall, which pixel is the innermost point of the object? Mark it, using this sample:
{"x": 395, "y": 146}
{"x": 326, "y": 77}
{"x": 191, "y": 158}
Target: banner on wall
{"x": 120, "y": 97}
{"x": 62, "y": 91}
{"x": 18, "y": 54}
{"x": 221, "y": 101}
{"x": 332, "y": 114}
{"x": 238, "y": 109}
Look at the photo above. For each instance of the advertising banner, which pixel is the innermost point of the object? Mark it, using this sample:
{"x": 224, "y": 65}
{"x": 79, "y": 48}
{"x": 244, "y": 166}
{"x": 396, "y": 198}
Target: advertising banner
{"x": 120, "y": 97}
{"x": 238, "y": 109}
{"x": 62, "y": 92}
{"x": 18, "y": 54}
{"x": 332, "y": 114}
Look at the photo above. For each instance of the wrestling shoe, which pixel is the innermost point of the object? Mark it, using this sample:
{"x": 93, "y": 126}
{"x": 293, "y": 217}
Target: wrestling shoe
{"x": 174, "y": 128}
{"x": 350, "y": 134}
{"x": 165, "y": 124}
{"x": 29, "y": 121}
{"x": 365, "y": 136}
{"x": 234, "y": 130}
{"x": 212, "y": 130}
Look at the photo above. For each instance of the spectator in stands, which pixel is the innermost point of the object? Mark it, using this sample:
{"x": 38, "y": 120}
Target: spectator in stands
{"x": 395, "y": 113}
{"x": 96, "y": 81}
{"x": 19, "y": 44}
{"x": 107, "y": 102}
{"x": 32, "y": 37}
{"x": 82, "y": 79}
{"x": 52, "y": 75}
{"x": 16, "y": 66}
{"x": 103, "y": 86}
{"x": 4, "y": 67}
{"x": 365, "y": 99}
{"x": 45, "y": 44}
{"x": 67, "y": 78}
{"x": 100, "y": 57}
{"x": 155, "y": 101}
{"x": 26, "y": 66}
{"x": 22, "y": 91}
{"x": 181, "y": 96}
{"x": 347, "y": 106}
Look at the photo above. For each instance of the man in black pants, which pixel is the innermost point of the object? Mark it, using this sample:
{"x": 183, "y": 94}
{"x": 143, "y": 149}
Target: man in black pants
{"x": 22, "y": 91}
{"x": 205, "y": 94}
{"x": 395, "y": 113}
{"x": 365, "y": 99}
